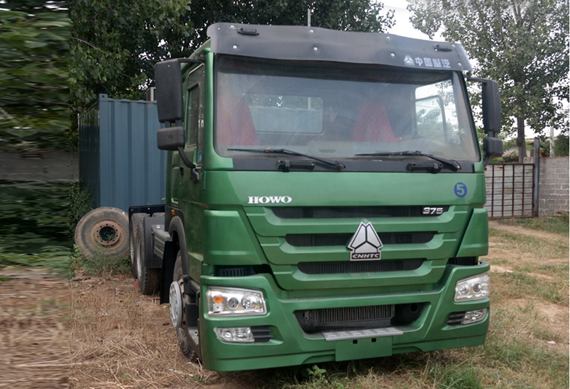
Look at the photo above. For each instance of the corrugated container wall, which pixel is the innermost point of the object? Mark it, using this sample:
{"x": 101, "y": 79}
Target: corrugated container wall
{"x": 118, "y": 158}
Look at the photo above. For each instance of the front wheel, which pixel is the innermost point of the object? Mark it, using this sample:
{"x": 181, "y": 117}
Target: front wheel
{"x": 188, "y": 339}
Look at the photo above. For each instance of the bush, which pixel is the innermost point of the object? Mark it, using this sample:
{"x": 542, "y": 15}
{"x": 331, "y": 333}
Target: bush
{"x": 561, "y": 146}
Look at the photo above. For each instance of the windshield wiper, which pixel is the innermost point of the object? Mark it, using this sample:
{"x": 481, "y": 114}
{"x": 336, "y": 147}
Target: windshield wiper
{"x": 449, "y": 162}
{"x": 337, "y": 165}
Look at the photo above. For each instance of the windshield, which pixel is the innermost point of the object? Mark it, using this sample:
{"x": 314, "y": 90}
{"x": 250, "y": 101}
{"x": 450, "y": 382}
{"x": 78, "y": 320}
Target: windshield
{"x": 339, "y": 111}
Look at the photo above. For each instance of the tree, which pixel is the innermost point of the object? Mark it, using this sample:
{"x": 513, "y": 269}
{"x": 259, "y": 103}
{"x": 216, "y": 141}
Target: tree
{"x": 521, "y": 44}
{"x": 347, "y": 15}
{"x": 33, "y": 74}
{"x": 561, "y": 146}
{"x": 115, "y": 43}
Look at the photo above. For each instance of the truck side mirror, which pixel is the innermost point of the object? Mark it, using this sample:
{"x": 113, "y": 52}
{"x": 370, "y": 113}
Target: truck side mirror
{"x": 492, "y": 147}
{"x": 169, "y": 91}
{"x": 170, "y": 138}
{"x": 491, "y": 108}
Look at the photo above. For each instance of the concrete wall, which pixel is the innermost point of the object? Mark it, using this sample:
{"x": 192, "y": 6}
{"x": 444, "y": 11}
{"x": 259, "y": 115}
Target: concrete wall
{"x": 553, "y": 186}
{"x": 52, "y": 166}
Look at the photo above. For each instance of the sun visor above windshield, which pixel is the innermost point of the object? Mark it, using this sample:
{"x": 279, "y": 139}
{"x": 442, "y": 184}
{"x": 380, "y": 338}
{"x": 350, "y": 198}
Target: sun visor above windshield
{"x": 304, "y": 43}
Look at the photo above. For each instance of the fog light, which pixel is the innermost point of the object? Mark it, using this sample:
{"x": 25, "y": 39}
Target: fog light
{"x": 474, "y": 316}
{"x": 235, "y": 334}
{"x": 474, "y": 288}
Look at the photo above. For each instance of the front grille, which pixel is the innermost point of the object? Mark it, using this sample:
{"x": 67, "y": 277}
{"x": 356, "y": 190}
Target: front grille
{"x": 234, "y": 271}
{"x": 313, "y": 240}
{"x": 463, "y": 261}
{"x": 357, "y": 318}
{"x": 455, "y": 318}
{"x": 240, "y": 271}
{"x": 261, "y": 334}
{"x": 350, "y": 212}
{"x": 359, "y": 266}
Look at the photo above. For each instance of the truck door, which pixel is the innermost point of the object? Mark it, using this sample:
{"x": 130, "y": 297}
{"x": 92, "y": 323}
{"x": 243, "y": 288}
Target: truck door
{"x": 187, "y": 184}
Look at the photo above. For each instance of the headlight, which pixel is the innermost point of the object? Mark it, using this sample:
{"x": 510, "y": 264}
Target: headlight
{"x": 235, "y": 302}
{"x": 474, "y": 288}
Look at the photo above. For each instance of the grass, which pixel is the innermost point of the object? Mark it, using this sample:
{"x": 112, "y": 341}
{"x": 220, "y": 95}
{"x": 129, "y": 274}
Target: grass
{"x": 37, "y": 223}
{"x": 34, "y": 324}
{"x": 530, "y": 246}
{"x": 526, "y": 347}
{"x": 530, "y": 309}
{"x": 538, "y": 265}
{"x": 100, "y": 265}
{"x": 516, "y": 348}
{"x": 34, "y": 229}
{"x": 555, "y": 224}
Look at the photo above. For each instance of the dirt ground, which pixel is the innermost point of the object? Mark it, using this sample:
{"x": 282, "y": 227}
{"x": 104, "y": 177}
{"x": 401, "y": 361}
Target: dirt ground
{"x": 99, "y": 332}
{"x": 34, "y": 330}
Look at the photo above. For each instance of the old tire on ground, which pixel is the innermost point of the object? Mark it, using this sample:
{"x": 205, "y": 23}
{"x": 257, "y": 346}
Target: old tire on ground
{"x": 184, "y": 340}
{"x": 148, "y": 279}
{"x": 103, "y": 231}
{"x": 134, "y": 239}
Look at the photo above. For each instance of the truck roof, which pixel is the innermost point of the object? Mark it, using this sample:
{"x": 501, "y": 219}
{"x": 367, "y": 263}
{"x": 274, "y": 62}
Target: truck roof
{"x": 306, "y": 43}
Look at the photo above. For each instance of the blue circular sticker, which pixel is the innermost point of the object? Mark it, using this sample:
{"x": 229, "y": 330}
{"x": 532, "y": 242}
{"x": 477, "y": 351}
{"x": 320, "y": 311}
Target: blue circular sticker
{"x": 460, "y": 189}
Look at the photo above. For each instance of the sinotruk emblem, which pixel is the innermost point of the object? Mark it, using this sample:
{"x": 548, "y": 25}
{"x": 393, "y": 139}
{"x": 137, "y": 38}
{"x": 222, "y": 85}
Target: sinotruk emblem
{"x": 365, "y": 244}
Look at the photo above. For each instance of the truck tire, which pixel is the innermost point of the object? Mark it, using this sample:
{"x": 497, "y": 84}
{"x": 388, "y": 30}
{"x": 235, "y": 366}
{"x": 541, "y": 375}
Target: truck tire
{"x": 184, "y": 341}
{"x": 148, "y": 279}
{"x": 103, "y": 231}
{"x": 134, "y": 239}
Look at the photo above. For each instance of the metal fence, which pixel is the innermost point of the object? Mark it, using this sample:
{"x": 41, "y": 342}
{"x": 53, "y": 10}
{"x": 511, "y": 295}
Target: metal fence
{"x": 119, "y": 161}
{"x": 510, "y": 190}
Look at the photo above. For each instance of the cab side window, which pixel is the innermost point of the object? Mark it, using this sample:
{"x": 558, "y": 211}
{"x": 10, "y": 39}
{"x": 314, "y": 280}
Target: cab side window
{"x": 192, "y": 116}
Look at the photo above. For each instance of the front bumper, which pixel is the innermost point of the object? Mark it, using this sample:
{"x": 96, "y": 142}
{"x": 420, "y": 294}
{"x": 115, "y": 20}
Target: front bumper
{"x": 291, "y": 346}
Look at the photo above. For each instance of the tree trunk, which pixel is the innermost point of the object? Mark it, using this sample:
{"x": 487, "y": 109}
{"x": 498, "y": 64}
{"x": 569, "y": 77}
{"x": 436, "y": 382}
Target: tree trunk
{"x": 520, "y": 139}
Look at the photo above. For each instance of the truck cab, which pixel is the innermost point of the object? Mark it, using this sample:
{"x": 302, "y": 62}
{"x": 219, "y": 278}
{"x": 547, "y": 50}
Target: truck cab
{"x": 324, "y": 197}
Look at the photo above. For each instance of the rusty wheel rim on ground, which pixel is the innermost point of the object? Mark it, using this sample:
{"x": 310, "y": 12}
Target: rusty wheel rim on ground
{"x": 103, "y": 231}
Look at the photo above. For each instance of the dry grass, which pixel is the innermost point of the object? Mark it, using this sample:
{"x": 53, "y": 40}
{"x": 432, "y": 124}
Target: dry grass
{"x": 34, "y": 349}
{"x": 122, "y": 339}
{"x": 112, "y": 337}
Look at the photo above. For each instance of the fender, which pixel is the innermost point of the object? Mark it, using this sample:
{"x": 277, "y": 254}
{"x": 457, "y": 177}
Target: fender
{"x": 175, "y": 225}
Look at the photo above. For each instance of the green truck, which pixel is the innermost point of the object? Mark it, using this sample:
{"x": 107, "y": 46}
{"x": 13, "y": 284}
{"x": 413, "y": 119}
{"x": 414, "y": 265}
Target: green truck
{"x": 324, "y": 198}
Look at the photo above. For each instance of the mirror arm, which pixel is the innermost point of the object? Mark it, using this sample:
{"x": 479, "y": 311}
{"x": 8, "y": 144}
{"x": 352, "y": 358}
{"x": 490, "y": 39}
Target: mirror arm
{"x": 190, "y": 60}
{"x": 195, "y": 176}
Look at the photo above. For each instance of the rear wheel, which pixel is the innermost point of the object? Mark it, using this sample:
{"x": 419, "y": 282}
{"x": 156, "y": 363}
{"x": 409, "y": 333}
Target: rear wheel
{"x": 148, "y": 279}
{"x": 188, "y": 341}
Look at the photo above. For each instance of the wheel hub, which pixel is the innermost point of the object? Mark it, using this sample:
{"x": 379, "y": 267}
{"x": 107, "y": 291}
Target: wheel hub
{"x": 107, "y": 233}
{"x": 176, "y": 302}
